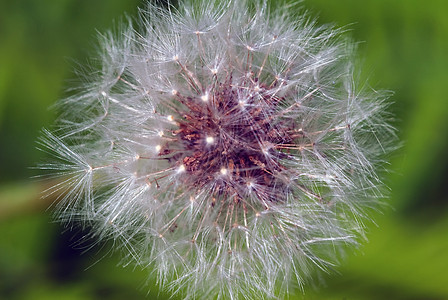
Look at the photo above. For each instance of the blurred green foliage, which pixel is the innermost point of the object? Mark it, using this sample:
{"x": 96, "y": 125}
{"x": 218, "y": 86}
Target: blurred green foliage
{"x": 404, "y": 46}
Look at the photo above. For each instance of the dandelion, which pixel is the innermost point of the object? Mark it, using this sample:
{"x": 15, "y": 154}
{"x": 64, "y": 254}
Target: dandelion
{"x": 224, "y": 145}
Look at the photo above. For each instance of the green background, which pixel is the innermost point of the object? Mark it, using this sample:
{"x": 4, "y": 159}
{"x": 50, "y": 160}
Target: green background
{"x": 404, "y": 48}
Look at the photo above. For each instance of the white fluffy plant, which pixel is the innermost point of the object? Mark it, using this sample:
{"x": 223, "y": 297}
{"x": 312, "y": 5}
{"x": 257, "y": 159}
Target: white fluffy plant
{"x": 224, "y": 145}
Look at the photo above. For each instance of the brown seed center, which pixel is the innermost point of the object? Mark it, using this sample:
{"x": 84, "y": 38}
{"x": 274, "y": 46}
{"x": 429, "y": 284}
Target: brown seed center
{"x": 229, "y": 142}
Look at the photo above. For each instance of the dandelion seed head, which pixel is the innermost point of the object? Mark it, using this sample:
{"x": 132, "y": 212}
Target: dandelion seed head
{"x": 226, "y": 140}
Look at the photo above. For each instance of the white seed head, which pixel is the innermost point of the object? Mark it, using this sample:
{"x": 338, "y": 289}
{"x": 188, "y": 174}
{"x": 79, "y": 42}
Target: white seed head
{"x": 285, "y": 189}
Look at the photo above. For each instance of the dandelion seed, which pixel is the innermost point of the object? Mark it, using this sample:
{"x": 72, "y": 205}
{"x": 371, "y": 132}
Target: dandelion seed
{"x": 223, "y": 171}
{"x": 225, "y": 146}
{"x": 181, "y": 169}
{"x": 204, "y": 97}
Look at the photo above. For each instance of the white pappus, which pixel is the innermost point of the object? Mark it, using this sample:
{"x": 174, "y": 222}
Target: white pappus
{"x": 224, "y": 145}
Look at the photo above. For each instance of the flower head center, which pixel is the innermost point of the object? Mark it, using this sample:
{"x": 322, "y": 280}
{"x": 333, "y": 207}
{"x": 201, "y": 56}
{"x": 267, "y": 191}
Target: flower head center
{"x": 218, "y": 138}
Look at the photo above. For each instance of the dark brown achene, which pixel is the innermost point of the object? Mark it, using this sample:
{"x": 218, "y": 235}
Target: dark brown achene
{"x": 224, "y": 137}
